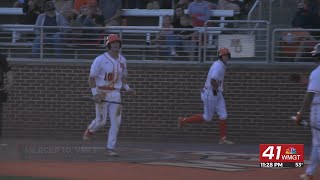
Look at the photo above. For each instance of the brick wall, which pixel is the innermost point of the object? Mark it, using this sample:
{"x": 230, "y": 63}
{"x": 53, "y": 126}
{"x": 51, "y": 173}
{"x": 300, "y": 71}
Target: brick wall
{"x": 259, "y": 98}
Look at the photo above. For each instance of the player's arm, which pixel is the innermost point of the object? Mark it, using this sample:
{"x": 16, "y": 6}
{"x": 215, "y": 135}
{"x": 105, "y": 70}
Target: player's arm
{"x": 92, "y": 84}
{"x": 125, "y": 84}
{"x": 313, "y": 87}
{"x": 214, "y": 76}
{"x": 94, "y": 71}
{"x": 306, "y": 102}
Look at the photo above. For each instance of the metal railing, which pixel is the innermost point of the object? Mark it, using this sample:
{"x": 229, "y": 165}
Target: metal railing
{"x": 139, "y": 43}
{"x": 294, "y": 45}
{"x": 258, "y": 6}
{"x": 246, "y": 44}
{"x": 257, "y": 3}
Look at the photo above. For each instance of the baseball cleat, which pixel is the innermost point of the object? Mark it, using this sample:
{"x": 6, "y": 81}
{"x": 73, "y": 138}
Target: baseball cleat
{"x": 225, "y": 141}
{"x": 306, "y": 177}
{"x": 111, "y": 153}
{"x": 180, "y": 123}
{"x": 87, "y": 135}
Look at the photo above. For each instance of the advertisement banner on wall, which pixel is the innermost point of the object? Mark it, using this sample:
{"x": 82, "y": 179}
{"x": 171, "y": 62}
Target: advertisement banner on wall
{"x": 239, "y": 45}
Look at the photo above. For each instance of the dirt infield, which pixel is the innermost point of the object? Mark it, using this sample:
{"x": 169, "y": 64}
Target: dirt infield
{"x": 130, "y": 171}
{"x": 137, "y": 161}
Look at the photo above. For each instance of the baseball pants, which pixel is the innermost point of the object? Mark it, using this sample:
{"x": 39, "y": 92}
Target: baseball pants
{"x": 315, "y": 152}
{"x": 114, "y": 112}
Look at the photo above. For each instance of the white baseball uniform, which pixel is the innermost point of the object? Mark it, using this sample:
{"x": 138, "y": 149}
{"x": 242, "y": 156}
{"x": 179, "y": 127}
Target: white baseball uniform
{"x": 214, "y": 103}
{"x": 108, "y": 73}
{"x": 314, "y": 86}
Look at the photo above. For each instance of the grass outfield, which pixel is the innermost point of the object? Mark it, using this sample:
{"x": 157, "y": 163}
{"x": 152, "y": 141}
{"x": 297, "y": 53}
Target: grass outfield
{"x": 26, "y": 178}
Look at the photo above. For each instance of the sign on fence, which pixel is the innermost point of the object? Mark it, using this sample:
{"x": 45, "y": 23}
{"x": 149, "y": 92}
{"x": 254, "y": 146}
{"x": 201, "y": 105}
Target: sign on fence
{"x": 239, "y": 45}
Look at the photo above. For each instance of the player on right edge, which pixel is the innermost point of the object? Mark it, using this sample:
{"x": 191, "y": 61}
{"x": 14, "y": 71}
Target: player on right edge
{"x": 212, "y": 97}
{"x": 312, "y": 98}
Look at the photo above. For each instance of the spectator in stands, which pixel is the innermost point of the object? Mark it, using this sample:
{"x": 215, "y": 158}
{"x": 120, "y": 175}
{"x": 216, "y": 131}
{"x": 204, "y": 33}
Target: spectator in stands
{"x": 247, "y": 4}
{"x": 199, "y": 12}
{"x": 87, "y": 13}
{"x": 134, "y": 4}
{"x": 32, "y": 10}
{"x": 296, "y": 44}
{"x": 153, "y": 4}
{"x": 49, "y": 18}
{"x": 92, "y": 19}
{"x": 178, "y": 13}
{"x": 211, "y": 4}
{"x": 166, "y": 4}
{"x": 81, "y": 7}
{"x": 308, "y": 16}
{"x": 80, "y": 4}
{"x": 229, "y": 5}
{"x": 186, "y": 37}
{"x": 18, "y": 3}
{"x": 167, "y": 36}
{"x": 65, "y": 7}
{"x": 111, "y": 10}
{"x": 183, "y": 3}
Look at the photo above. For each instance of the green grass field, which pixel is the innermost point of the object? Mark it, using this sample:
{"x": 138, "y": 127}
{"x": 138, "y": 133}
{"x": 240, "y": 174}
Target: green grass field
{"x": 25, "y": 178}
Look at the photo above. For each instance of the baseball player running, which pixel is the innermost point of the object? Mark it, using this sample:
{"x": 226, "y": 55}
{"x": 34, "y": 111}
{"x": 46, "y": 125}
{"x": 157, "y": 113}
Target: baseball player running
{"x": 312, "y": 98}
{"x": 107, "y": 76}
{"x": 212, "y": 97}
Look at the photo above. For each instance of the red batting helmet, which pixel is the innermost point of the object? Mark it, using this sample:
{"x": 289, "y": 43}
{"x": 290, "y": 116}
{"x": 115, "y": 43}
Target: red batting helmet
{"x": 113, "y": 38}
{"x": 223, "y": 51}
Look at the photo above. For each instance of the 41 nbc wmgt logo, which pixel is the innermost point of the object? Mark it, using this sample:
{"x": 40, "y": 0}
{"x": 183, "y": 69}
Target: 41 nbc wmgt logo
{"x": 281, "y": 155}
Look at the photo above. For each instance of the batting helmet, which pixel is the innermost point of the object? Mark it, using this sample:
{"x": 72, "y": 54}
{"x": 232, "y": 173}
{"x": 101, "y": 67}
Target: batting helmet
{"x": 113, "y": 38}
{"x": 316, "y": 51}
{"x": 223, "y": 51}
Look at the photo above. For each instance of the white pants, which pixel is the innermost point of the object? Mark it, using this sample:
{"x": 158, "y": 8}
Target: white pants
{"x": 114, "y": 111}
{"x": 315, "y": 152}
{"x": 213, "y": 104}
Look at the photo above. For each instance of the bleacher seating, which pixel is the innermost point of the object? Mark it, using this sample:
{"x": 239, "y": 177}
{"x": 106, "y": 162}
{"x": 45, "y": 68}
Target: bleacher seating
{"x": 138, "y": 13}
{"x": 125, "y": 12}
{"x": 16, "y": 29}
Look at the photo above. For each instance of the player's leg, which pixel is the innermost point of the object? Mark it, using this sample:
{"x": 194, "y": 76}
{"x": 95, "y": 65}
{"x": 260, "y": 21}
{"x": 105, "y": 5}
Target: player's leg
{"x": 208, "y": 111}
{"x": 98, "y": 122}
{"x": 314, "y": 157}
{"x": 115, "y": 111}
{"x": 222, "y": 113}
